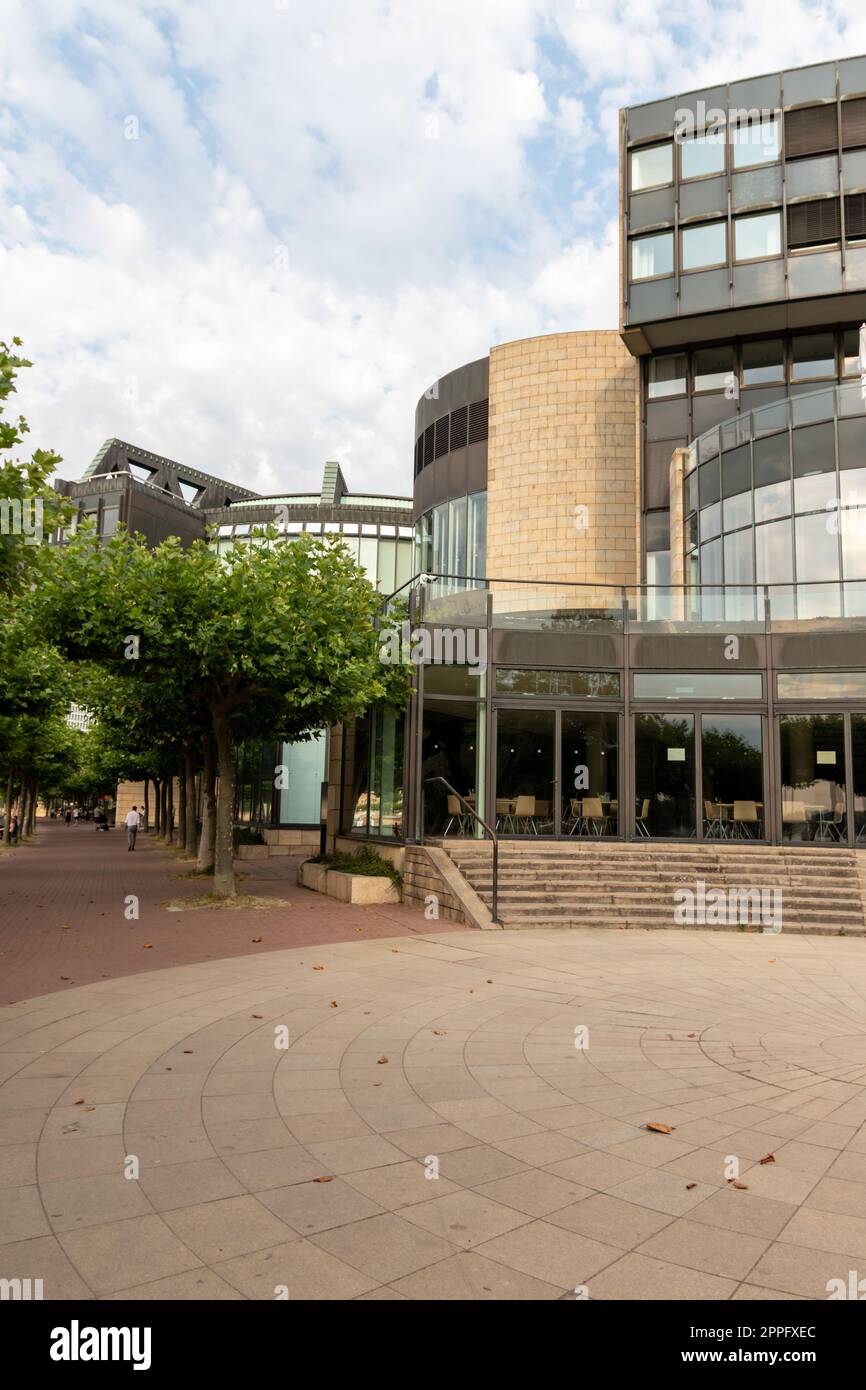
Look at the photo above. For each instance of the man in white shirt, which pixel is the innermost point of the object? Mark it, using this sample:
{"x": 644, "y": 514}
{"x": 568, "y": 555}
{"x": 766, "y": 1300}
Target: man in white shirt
{"x": 133, "y": 821}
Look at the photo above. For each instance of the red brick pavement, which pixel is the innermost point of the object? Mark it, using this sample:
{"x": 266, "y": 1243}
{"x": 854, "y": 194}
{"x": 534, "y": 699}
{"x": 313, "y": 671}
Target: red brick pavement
{"x": 63, "y": 899}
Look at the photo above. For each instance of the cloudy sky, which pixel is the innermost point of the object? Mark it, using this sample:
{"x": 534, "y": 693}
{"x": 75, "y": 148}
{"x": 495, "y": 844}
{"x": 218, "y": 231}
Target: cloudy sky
{"x": 248, "y": 234}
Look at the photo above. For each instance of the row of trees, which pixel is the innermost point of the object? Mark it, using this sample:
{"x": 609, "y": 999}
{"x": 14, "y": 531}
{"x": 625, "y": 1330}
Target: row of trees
{"x": 183, "y": 653}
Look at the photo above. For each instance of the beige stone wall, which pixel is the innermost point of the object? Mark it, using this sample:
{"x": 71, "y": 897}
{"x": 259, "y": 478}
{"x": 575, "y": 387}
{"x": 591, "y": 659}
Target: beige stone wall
{"x": 564, "y": 437}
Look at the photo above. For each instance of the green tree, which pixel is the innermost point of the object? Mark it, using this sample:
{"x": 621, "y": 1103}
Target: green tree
{"x": 273, "y": 639}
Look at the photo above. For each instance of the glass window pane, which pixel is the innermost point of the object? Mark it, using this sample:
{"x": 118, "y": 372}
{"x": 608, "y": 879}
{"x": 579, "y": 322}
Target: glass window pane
{"x": 757, "y": 236}
{"x": 667, "y": 376}
{"x": 452, "y": 746}
{"x": 736, "y": 471}
{"x": 535, "y": 681}
{"x": 733, "y": 774}
{"x": 665, "y": 775}
{"x": 457, "y": 536}
{"x": 651, "y": 166}
{"x": 738, "y": 511}
{"x": 821, "y": 685}
{"x": 817, "y": 493}
{"x": 817, "y": 548}
{"x": 814, "y": 450}
{"x": 711, "y": 522}
{"x": 853, "y": 525}
{"x": 652, "y": 255}
{"x": 813, "y": 356}
{"x": 525, "y": 770}
{"x": 704, "y": 245}
{"x": 813, "y": 777}
{"x": 852, "y": 443}
{"x": 774, "y": 561}
{"x": 702, "y": 154}
{"x": 590, "y": 770}
{"x": 711, "y": 563}
{"x": 739, "y": 564}
{"x": 658, "y": 530}
{"x": 851, "y": 352}
{"x": 763, "y": 362}
{"x": 697, "y": 685}
{"x": 709, "y": 486}
{"x": 756, "y": 142}
{"x": 713, "y": 368}
{"x": 477, "y": 535}
{"x": 772, "y": 501}
{"x": 772, "y": 459}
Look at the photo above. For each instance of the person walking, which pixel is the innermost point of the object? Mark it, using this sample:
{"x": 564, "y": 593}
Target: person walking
{"x": 68, "y": 816}
{"x": 133, "y": 821}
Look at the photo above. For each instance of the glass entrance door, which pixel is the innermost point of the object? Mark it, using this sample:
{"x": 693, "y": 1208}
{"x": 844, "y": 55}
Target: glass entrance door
{"x": 525, "y": 771}
{"x": 589, "y": 777}
{"x": 814, "y": 778}
{"x": 699, "y": 776}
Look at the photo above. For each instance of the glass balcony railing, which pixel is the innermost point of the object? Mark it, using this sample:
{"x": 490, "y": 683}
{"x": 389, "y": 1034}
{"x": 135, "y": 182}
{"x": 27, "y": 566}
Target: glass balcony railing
{"x": 531, "y": 606}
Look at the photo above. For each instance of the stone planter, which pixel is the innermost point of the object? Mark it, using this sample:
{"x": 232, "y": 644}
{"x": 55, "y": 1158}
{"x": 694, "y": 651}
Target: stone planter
{"x": 348, "y": 888}
{"x": 252, "y": 852}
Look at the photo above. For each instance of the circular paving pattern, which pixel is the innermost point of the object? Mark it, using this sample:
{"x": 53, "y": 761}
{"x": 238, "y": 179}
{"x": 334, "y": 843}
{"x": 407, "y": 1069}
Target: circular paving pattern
{"x": 448, "y": 1116}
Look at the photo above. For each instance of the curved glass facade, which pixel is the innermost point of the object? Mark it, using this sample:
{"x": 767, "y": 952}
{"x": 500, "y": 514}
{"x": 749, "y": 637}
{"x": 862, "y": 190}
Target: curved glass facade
{"x": 778, "y": 496}
{"x": 452, "y": 538}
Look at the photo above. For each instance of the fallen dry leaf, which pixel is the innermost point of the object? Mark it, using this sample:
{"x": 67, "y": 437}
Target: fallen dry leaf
{"x": 490, "y": 982}
{"x": 64, "y": 977}
{"x": 769, "y": 1158}
{"x": 334, "y": 1004}
{"x": 658, "y": 1128}
{"x": 187, "y": 1052}
{"x": 741, "y": 1186}
{"x": 90, "y": 1107}
{"x": 255, "y": 939}
{"x": 323, "y": 1179}
{"x": 690, "y": 1185}
{"x": 382, "y": 1061}
{"x": 258, "y": 1015}
{"x": 148, "y": 946}
{"x": 65, "y": 928}
{"x": 318, "y": 967}
{"x": 439, "y": 1032}
{"x": 693, "y": 1035}
{"x": 79, "y": 1102}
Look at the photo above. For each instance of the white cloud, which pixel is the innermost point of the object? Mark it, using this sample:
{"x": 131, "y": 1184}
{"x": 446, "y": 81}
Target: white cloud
{"x": 327, "y": 206}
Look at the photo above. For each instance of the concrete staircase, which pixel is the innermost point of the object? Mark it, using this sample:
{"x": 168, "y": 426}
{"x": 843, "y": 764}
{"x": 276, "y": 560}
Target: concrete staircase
{"x": 592, "y": 883}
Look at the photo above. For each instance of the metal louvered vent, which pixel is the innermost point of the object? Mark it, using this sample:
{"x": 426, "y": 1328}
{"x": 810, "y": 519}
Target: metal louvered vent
{"x": 441, "y": 437}
{"x": 477, "y": 421}
{"x": 855, "y": 216}
{"x": 854, "y": 124}
{"x": 812, "y": 130}
{"x": 428, "y": 445}
{"x": 419, "y": 454}
{"x": 815, "y": 223}
{"x": 458, "y": 427}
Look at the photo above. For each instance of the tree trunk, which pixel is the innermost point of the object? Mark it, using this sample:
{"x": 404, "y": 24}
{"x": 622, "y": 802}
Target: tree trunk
{"x": 189, "y": 773}
{"x": 24, "y": 809}
{"x": 164, "y": 804}
{"x": 180, "y": 837}
{"x": 208, "y": 803}
{"x": 224, "y": 879}
{"x": 169, "y": 820}
{"x": 33, "y": 800}
{"x": 146, "y": 804}
{"x": 157, "y": 807}
{"x": 7, "y": 817}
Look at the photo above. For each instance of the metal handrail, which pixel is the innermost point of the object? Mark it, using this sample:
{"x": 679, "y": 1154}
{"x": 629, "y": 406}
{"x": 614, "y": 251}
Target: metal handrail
{"x": 490, "y": 831}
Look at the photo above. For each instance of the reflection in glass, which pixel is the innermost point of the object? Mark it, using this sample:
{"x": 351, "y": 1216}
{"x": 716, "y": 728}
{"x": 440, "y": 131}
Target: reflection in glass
{"x": 697, "y": 685}
{"x": 652, "y": 255}
{"x": 535, "y": 681}
{"x": 704, "y": 245}
{"x": 755, "y": 142}
{"x": 651, "y": 166}
{"x": 667, "y": 376}
{"x": 739, "y": 563}
{"x": 774, "y": 562}
{"x": 525, "y": 771}
{"x": 590, "y": 746}
{"x": 813, "y": 355}
{"x": 757, "y": 236}
{"x": 813, "y": 777}
{"x": 733, "y": 775}
{"x": 665, "y": 775}
{"x": 702, "y": 154}
{"x": 763, "y": 362}
{"x": 817, "y": 548}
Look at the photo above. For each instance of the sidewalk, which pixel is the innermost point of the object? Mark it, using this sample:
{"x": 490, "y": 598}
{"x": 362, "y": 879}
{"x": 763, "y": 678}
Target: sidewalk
{"x": 63, "y": 898}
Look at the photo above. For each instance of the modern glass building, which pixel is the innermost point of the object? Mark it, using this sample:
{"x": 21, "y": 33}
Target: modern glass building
{"x": 652, "y": 543}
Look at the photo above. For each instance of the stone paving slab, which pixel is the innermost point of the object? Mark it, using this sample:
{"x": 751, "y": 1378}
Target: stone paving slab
{"x": 432, "y": 1131}
{"x": 63, "y": 904}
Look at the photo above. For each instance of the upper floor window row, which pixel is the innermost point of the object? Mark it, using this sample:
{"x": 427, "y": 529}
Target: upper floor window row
{"x": 706, "y": 244}
{"x": 752, "y": 143}
{"x": 809, "y": 130}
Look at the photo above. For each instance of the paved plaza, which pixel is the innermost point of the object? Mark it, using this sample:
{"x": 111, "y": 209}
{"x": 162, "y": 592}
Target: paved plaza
{"x": 457, "y": 1115}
